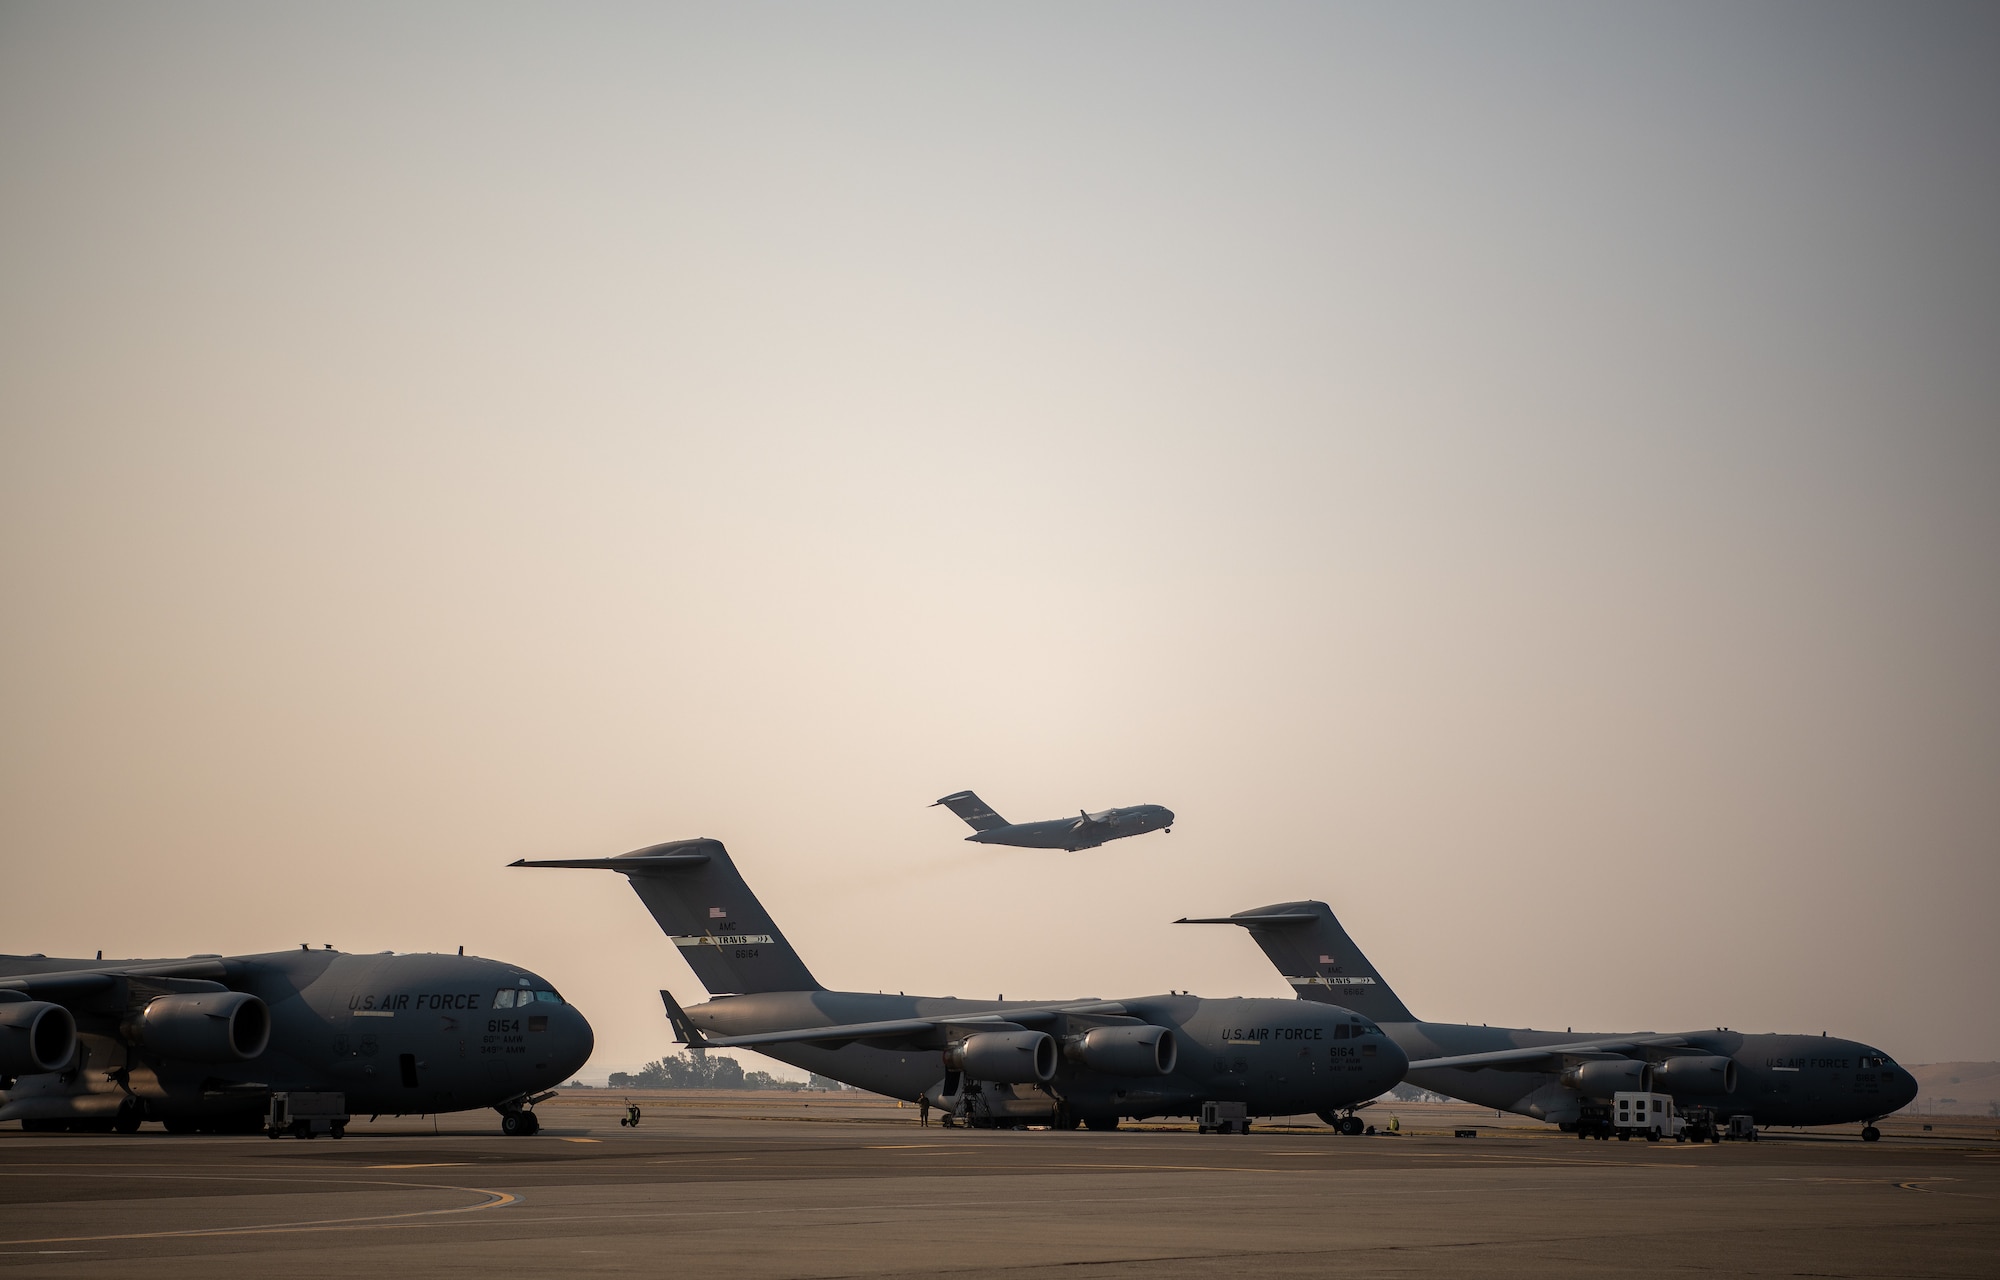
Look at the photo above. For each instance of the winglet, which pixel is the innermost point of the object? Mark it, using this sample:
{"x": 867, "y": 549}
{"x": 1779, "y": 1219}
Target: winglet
{"x": 685, "y": 1032}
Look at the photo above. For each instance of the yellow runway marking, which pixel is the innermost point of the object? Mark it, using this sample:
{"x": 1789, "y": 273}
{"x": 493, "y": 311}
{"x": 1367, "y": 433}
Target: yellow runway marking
{"x": 583, "y": 1139}
{"x": 494, "y": 1200}
{"x": 447, "y": 1164}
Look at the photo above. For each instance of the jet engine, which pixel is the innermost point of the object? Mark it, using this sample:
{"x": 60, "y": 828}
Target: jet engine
{"x": 35, "y": 1036}
{"x": 1005, "y": 1057}
{"x": 1125, "y": 1051}
{"x": 1603, "y": 1078}
{"x": 1704, "y": 1073}
{"x": 203, "y": 1026}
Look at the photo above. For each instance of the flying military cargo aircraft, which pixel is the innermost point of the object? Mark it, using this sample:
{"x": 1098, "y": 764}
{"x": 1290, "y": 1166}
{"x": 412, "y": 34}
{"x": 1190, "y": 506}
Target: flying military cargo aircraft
{"x": 1085, "y": 831}
{"x": 995, "y": 1063}
{"x": 201, "y": 1044}
{"x": 1570, "y": 1077}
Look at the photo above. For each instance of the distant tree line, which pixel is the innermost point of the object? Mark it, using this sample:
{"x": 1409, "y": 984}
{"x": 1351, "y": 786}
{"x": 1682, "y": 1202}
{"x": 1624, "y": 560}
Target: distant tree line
{"x": 698, "y": 1071}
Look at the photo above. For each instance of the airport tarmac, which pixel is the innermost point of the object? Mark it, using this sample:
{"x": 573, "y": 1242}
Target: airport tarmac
{"x": 823, "y": 1185}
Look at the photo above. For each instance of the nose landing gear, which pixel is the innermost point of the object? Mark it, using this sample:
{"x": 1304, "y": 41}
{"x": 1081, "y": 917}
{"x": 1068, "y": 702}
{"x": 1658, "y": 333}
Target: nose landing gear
{"x": 520, "y": 1124}
{"x": 517, "y": 1115}
{"x": 1348, "y": 1125}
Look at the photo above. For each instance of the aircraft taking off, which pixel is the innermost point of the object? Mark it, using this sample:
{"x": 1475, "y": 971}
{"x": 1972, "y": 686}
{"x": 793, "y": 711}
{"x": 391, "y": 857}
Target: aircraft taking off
{"x": 201, "y": 1044}
{"x": 1085, "y": 831}
{"x": 994, "y": 1063}
{"x": 1568, "y": 1077}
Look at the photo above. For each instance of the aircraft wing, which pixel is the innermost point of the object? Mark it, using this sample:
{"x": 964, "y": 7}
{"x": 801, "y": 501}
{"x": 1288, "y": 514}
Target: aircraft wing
{"x": 1619, "y": 1046}
{"x": 73, "y": 983}
{"x": 692, "y": 1035}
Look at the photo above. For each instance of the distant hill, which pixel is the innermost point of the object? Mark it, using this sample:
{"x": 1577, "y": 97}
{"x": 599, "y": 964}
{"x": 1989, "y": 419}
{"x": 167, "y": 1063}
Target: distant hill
{"x": 1957, "y": 1088}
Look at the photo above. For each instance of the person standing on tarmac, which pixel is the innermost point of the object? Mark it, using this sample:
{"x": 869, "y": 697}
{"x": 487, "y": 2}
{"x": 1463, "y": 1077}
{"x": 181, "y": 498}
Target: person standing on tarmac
{"x": 923, "y": 1111}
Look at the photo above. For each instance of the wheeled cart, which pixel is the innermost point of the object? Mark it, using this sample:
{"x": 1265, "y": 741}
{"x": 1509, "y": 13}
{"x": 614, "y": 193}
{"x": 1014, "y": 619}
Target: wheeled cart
{"x": 307, "y": 1115}
{"x": 1224, "y": 1117}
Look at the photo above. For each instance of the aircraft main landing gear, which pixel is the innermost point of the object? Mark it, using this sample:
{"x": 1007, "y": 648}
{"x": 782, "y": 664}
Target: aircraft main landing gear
{"x": 1871, "y": 1134}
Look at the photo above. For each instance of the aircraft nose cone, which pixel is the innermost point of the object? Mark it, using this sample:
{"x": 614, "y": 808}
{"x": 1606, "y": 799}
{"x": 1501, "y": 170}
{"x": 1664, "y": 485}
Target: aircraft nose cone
{"x": 1392, "y": 1055}
{"x": 574, "y": 1042}
{"x": 1390, "y": 1066}
{"x": 1905, "y": 1089}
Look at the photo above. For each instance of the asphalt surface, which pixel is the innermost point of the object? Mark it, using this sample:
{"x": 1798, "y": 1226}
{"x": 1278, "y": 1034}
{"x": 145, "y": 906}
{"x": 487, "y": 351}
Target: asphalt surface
{"x": 817, "y": 1187}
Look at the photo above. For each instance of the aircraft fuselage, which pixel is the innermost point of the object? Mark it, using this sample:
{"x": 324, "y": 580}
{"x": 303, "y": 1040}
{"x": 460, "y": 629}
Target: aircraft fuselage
{"x": 395, "y": 1033}
{"x": 1085, "y": 831}
{"x": 1780, "y": 1079}
{"x": 1278, "y": 1057}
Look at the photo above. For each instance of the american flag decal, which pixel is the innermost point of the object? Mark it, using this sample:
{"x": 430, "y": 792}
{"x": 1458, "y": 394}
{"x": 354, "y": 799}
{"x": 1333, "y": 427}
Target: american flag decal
{"x": 716, "y": 913}
{"x": 1326, "y": 959}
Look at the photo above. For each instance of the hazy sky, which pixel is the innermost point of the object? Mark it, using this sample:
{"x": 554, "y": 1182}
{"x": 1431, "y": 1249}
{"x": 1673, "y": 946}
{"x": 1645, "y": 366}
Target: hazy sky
{"x": 1527, "y": 475}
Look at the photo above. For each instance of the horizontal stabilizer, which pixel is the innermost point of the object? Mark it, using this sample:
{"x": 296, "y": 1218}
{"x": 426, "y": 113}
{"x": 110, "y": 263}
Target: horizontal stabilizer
{"x": 1314, "y": 954}
{"x": 1279, "y": 917}
{"x": 703, "y": 906}
{"x": 660, "y": 857}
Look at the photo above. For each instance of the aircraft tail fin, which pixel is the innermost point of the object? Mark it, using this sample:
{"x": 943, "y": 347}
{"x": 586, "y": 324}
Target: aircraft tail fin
{"x": 703, "y": 905}
{"x": 977, "y": 813}
{"x": 1307, "y": 944}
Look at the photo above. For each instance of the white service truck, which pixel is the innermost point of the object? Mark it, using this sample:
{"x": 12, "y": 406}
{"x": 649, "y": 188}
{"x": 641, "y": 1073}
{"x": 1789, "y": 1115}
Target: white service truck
{"x": 1650, "y": 1115}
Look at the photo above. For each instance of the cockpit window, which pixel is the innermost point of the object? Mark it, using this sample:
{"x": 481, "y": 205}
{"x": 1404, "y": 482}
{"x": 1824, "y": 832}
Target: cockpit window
{"x": 503, "y": 999}
{"x": 548, "y": 997}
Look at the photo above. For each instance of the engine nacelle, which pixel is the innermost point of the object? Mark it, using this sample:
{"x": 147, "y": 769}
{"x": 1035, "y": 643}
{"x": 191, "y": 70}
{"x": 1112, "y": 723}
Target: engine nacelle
{"x": 1125, "y": 1051}
{"x": 1703, "y": 1073}
{"x": 203, "y": 1026}
{"x": 1611, "y": 1075}
{"x": 1005, "y": 1057}
{"x": 35, "y": 1037}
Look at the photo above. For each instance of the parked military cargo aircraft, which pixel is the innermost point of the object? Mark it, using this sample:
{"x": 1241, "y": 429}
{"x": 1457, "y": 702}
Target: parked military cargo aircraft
{"x": 991, "y": 1062}
{"x": 203, "y": 1043}
{"x": 1569, "y": 1077}
{"x": 1085, "y": 831}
